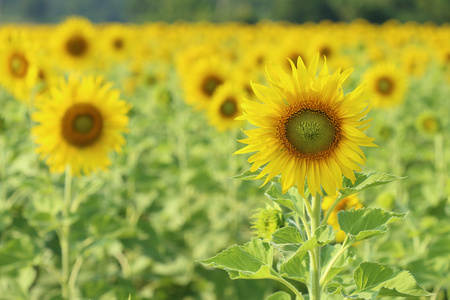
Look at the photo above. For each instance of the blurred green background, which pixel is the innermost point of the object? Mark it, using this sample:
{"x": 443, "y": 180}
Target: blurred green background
{"x": 250, "y": 11}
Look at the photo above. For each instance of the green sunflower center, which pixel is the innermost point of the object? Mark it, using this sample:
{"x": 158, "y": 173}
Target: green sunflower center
{"x": 210, "y": 84}
{"x": 18, "y": 65}
{"x": 77, "y": 46}
{"x": 310, "y": 132}
{"x": 385, "y": 85}
{"x": 228, "y": 108}
{"x": 82, "y": 125}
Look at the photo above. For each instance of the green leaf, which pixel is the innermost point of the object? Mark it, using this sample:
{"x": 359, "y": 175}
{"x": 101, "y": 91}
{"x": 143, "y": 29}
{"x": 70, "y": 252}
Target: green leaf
{"x": 373, "y": 279}
{"x": 248, "y": 175}
{"x": 250, "y": 261}
{"x": 324, "y": 235}
{"x": 364, "y": 181}
{"x": 328, "y": 253}
{"x": 279, "y": 296}
{"x": 291, "y": 199}
{"x": 365, "y": 223}
{"x": 296, "y": 267}
{"x": 287, "y": 239}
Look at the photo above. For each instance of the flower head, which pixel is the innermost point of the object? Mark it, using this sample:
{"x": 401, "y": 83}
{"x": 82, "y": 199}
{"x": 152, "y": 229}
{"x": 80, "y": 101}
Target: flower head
{"x": 79, "y": 124}
{"x": 307, "y": 128}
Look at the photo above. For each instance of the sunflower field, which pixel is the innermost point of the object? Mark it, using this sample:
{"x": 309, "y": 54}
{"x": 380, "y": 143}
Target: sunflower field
{"x": 132, "y": 158}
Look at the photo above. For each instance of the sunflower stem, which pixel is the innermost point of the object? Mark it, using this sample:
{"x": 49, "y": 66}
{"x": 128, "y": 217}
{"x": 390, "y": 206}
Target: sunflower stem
{"x": 64, "y": 235}
{"x": 439, "y": 162}
{"x": 315, "y": 253}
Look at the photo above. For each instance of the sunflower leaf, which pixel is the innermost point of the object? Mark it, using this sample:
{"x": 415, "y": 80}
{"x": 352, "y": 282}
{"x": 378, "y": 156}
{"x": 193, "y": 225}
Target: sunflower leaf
{"x": 328, "y": 253}
{"x": 365, "y": 223}
{"x": 374, "y": 279}
{"x": 253, "y": 260}
{"x": 291, "y": 199}
{"x": 287, "y": 239}
{"x": 279, "y": 296}
{"x": 364, "y": 181}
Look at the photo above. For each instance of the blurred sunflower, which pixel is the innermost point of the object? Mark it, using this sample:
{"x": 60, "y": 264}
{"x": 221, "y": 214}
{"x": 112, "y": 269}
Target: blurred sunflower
{"x": 205, "y": 77}
{"x": 428, "y": 123}
{"x": 116, "y": 42}
{"x": 415, "y": 61}
{"x": 307, "y": 128}
{"x": 81, "y": 121}
{"x": 386, "y": 84}
{"x": 16, "y": 66}
{"x": 225, "y": 106}
{"x": 73, "y": 43}
{"x": 344, "y": 204}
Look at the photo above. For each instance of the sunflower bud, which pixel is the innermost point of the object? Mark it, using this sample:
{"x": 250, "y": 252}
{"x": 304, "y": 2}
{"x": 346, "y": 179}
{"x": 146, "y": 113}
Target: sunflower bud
{"x": 267, "y": 221}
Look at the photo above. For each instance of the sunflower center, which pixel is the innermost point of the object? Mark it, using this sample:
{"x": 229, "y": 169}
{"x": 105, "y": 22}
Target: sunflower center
{"x": 385, "y": 85}
{"x": 18, "y": 65}
{"x": 310, "y": 132}
{"x": 210, "y": 84}
{"x": 325, "y": 50}
{"x": 228, "y": 108}
{"x": 77, "y": 46}
{"x": 118, "y": 43}
{"x": 82, "y": 125}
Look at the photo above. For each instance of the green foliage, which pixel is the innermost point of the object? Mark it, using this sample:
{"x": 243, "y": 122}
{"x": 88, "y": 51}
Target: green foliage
{"x": 364, "y": 181}
{"x": 279, "y": 296}
{"x": 365, "y": 223}
{"x": 251, "y": 261}
{"x": 373, "y": 279}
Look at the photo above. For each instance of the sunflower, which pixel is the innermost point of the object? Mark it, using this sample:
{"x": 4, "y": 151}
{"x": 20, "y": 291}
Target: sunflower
{"x": 116, "y": 42}
{"x": 16, "y": 66}
{"x": 225, "y": 106}
{"x": 428, "y": 123}
{"x": 344, "y": 204}
{"x": 205, "y": 77}
{"x": 386, "y": 84}
{"x": 81, "y": 121}
{"x": 73, "y": 43}
{"x": 307, "y": 128}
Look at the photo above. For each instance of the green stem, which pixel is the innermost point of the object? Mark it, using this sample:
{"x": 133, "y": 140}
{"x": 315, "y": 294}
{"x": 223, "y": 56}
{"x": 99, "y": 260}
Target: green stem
{"x": 315, "y": 253}
{"x": 333, "y": 261}
{"x": 439, "y": 162}
{"x": 278, "y": 278}
{"x": 64, "y": 235}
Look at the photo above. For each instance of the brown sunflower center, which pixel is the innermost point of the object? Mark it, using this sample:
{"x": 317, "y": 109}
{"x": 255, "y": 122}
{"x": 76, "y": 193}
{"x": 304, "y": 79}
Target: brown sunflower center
{"x": 210, "y": 84}
{"x": 77, "y": 46}
{"x": 118, "y": 44}
{"x": 325, "y": 50}
{"x": 229, "y": 108}
{"x": 309, "y": 133}
{"x": 18, "y": 65}
{"x": 385, "y": 85}
{"x": 82, "y": 125}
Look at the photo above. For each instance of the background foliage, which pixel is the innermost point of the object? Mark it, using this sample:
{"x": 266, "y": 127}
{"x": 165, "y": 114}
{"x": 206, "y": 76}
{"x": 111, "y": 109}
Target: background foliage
{"x": 297, "y": 11}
